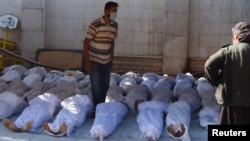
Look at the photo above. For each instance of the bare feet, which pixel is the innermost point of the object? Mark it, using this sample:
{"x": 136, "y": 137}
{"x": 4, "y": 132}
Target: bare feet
{"x": 60, "y": 132}
{"x": 176, "y": 133}
{"x": 10, "y": 125}
{"x": 47, "y": 128}
{"x": 27, "y": 126}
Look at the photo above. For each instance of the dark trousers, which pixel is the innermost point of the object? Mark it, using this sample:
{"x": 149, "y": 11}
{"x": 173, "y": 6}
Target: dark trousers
{"x": 233, "y": 115}
{"x": 99, "y": 79}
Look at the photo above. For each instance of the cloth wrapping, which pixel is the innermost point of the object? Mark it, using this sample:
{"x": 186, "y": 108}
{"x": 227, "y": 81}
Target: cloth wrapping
{"x": 10, "y": 104}
{"x": 18, "y": 87}
{"x": 115, "y": 78}
{"x": 191, "y": 96}
{"x": 40, "y": 110}
{"x": 182, "y": 84}
{"x": 135, "y": 95}
{"x": 203, "y": 85}
{"x": 115, "y": 94}
{"x": 209, "y": 116}
{"x": 208, "y": 99}
{"x": 53, "y": 77}
{"x": 178, "y": 113}
{"x": 13, "y": 72}
{"x": 162, "y": 94}
{"x": 187, "y": 76}
{"x": 149, "y": 79}
{"x": 32, "y": 78}
{"x": 3, "y": 86}
{"x": 75, "y": 110}
{"x": 107, "y": 117}
{"x": 83, "y": 83}
{"x": 36, "y": 70}
{"x": 150, "y": 76}
{"x": 64, "y": 89}
{"x": 12, "y": 98}
{"x": 150, "y": 119}
{"x": 149, "y": 83}
{"x": 21, "y": 69}
{"x": 133, "y": 75}
{"x": 69, "y": 78}
{"x": 182, "y": 81}
{"x": 167, "y": 82}
{"x": 6, "y": 109}
{"x": 127, "y": 82}
{"x": 37, "y": 89}
{"x": 35, "y": 74}
{"x": 206, "y": 92}
{"x": 10, "y": 76}
{"x": 77, "y": 74}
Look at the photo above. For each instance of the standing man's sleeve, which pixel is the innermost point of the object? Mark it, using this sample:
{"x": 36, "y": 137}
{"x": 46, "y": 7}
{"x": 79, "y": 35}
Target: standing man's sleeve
{"x": 89, "y": 35}
{"x": 213, "y": 68}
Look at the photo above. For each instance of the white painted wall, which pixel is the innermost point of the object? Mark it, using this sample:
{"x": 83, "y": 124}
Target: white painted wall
{"x": 141, "y": 26}
{"x": 211, "y": 22}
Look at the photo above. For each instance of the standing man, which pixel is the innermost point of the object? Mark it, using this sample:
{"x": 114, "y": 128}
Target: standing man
{"x": 229, "y": 70}
{"x": 98, "y": 50}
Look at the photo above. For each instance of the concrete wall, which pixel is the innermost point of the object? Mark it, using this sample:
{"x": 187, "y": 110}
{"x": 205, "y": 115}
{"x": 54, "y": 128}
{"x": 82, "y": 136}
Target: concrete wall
{"x": 178, "y": 34}
{"x": 176, "y": 37}
{"x": 33, "y": 27}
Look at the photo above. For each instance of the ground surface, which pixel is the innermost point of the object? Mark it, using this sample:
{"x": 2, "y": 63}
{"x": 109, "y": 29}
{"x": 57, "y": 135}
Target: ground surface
{"x": 127, "y": 131}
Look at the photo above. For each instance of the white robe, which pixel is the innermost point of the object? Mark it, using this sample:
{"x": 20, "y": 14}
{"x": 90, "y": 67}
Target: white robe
{"x": 75, "y": 110}
{"x": 150, "y": 119}
{"x": 40, "y": 110}
{"x": 179, "y": 113}
{"x": 108, "y": 117}
{"x": 10, "y": 103}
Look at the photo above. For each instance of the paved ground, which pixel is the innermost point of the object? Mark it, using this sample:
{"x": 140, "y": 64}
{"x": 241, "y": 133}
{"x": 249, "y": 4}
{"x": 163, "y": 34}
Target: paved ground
{"x": 127, "y": 131}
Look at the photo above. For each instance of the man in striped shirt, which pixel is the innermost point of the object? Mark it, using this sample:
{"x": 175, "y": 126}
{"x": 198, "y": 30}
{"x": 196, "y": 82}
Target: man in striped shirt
{"x": 98, "y": 50}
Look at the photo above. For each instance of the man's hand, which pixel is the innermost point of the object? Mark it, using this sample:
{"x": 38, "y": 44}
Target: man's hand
{"x": 86, "y": 53}
{"x": 88, "y": 66}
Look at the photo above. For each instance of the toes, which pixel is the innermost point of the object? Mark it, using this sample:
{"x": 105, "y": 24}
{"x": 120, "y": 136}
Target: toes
{"x": 47, "y": 128}
{"x": 171, "y": 130}
{"x": 27, "y": 126}
{"x": 63, "y": 128}
{"x": 10, "y": 125}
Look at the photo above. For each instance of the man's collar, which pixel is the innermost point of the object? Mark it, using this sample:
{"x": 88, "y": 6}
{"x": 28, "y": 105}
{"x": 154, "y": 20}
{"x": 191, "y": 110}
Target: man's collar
{"x": 103, "y": 21}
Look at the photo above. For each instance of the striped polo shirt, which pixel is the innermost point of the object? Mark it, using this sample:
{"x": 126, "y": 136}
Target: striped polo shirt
{"x": 101, "y": 35}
